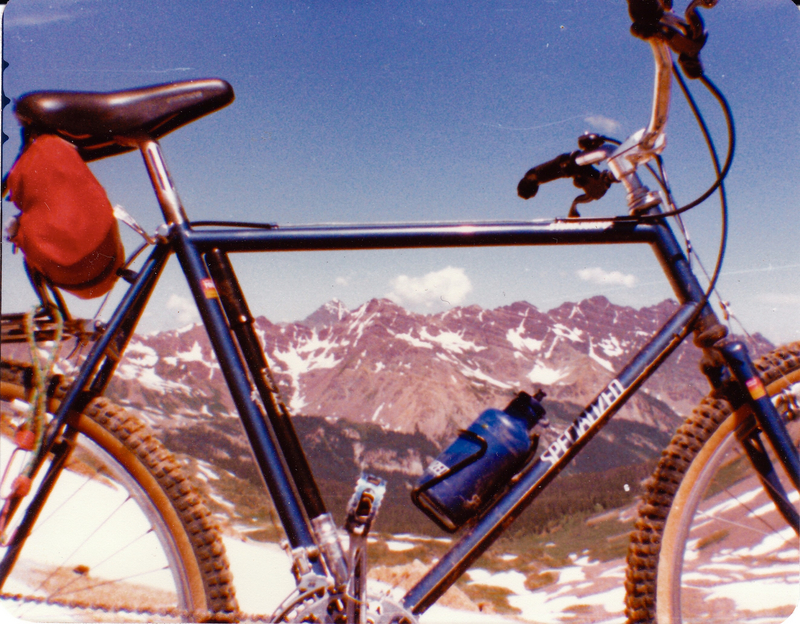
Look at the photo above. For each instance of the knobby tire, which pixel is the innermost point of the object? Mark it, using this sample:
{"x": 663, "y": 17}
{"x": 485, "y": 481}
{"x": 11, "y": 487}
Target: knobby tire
{"x": 683, "y": 516}
{"x": 184, "y": 526}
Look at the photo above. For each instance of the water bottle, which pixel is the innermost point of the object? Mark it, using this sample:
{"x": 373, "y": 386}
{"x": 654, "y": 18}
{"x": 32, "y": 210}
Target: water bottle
{"x": 467, "y": 475}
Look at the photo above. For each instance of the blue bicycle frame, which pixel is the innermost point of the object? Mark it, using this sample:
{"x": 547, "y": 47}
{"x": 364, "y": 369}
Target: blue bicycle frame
{"x": 202, "y": 253}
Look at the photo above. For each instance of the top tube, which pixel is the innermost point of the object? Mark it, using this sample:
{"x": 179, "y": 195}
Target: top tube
{"x": 411, "y": 235}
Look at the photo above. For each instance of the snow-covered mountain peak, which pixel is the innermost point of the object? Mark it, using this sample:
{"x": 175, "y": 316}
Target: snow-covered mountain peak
{"x": 431, "y": 373}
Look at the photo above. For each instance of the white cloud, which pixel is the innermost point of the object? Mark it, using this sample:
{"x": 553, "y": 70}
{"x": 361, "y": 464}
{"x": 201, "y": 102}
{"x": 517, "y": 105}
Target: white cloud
{"x": 438, "y": 289}
{"x": 596, "y": 275}
{"x": 182, "y": 311}
{"x": 37, "y": 19}
{"x": 603, "y": 124}
{"x": 341, "y": 281}
{"x": 43, "y": 12}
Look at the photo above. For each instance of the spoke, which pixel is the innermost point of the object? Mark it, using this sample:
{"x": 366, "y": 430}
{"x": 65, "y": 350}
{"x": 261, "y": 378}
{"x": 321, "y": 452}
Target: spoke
{"x": 44, "y": 521}
{"x": 79, "y": 546}
{"x": 60, "y": 591}
{"x": 752, "y": 511}
{"x": 119, "y": 550}
{"x": 107, "y": 582}
{"x": 738, "y": 524}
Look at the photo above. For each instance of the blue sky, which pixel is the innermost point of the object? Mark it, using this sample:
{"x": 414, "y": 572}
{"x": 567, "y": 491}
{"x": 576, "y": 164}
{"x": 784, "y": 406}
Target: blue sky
{"x": 392, "y": 111}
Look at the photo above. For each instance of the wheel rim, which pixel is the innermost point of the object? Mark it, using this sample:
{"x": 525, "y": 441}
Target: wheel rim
{"x": 99, "y": 540}
{"x": 720, "y": 520}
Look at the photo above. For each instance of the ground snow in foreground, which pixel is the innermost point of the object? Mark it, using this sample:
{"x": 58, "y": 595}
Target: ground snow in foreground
{"x": 262, "y": 579}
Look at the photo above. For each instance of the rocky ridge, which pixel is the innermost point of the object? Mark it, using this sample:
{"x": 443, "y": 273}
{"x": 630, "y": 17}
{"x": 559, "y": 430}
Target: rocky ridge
{"x": 431, "y": 374}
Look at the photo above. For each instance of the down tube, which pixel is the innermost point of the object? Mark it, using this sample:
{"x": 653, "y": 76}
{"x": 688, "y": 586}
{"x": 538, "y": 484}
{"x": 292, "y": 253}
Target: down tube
{"x": 531, "y": 482}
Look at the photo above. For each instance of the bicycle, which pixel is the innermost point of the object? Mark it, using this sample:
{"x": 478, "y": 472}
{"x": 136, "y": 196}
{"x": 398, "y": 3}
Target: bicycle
{"x": 87, "y": 436}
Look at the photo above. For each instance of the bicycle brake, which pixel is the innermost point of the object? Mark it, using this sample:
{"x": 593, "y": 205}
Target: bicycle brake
{"x": 685, "y": 36}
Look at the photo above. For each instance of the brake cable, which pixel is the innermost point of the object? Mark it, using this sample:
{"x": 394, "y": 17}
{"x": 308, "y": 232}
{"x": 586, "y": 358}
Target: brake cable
{"x": 721, "y": 174}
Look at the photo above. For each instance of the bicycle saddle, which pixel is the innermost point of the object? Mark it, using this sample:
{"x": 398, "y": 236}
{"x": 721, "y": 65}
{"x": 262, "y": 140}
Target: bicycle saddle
{"x": 103, "y": 124}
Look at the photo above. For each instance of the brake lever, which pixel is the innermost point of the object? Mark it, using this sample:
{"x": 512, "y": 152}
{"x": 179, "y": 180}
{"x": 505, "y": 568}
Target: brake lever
{"x": 685, "y": 36}
{"x": 576, "y": 165}
{"x": 595, "y": 184}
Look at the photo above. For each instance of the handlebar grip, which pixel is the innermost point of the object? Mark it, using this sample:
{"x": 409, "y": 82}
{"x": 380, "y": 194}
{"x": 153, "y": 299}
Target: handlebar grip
{"x": 559, "y": 167}
{"x": 646, "y": 15}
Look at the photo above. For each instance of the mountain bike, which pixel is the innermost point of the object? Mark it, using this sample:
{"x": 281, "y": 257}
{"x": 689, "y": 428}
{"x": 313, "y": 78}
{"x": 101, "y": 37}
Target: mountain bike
{"x": 725, "y": 491}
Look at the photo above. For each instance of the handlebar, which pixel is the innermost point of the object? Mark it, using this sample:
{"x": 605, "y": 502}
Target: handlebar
{"x": 562, "y": 166}
{"x": 654, "y": 21}
{"x": 594, "y": 183}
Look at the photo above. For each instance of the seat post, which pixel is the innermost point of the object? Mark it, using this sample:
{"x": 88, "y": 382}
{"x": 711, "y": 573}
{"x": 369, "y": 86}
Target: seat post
{"x": 162, "y": 182}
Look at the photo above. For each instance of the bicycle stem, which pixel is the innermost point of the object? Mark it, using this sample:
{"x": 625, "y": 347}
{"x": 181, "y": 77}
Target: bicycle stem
{"x": 644, "y": 144}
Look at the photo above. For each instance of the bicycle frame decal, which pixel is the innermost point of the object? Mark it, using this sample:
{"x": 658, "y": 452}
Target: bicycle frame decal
{"x": 582, "y": 225}
{"x": 604, "y": 402}
{"x": 209, "y": 290}
{"x": 756, "y": 388}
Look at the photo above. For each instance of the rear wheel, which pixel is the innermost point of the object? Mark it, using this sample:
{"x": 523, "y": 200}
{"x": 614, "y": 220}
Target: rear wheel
{"x": 709, "y": 545}
{"x": 123, "y": 534}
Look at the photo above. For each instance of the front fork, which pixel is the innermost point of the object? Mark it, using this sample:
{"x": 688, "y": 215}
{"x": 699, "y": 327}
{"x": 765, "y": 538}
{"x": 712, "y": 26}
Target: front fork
{"x": 766, "y": 419}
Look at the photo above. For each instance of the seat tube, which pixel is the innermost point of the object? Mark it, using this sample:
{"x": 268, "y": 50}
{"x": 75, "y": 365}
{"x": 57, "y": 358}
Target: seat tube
{"x": 266, "y": 449}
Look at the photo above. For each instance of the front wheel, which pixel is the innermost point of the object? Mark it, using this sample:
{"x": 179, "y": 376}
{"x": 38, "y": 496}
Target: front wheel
{"x": 709, "y": 545}
{"x": 122, "y": 533}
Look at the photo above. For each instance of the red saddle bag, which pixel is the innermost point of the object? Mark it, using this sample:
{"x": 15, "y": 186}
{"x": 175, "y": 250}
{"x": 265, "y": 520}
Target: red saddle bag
{"x": 66, "y": 228}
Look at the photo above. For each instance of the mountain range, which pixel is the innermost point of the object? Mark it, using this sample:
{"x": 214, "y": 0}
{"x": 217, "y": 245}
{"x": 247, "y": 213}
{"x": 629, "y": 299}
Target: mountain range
{"x": 431, "y": 374}
{"x": 382, "y": 389}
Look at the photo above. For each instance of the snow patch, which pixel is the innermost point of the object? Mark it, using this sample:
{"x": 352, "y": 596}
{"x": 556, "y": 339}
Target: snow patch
{"x": 310, "y": 354}
{"x": 573, "y": 335}
{"x": 604, "y": 363}
{"x": 514, "y": 336}
{"x": 611, "y": 346}
{"x": 195, "y": 354}
{"x": 477, "y": 373}
{"x": 545, "y": 375}
{"x": 414, "y": 342}
{"x": 147, "y": 355}
{"x": 396, "y": 546}
{"x": 451, "y": 341}
{"x": 753, "y": 594}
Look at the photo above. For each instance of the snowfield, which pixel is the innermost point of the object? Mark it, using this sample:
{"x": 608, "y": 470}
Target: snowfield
{"x": 586, "y": 591}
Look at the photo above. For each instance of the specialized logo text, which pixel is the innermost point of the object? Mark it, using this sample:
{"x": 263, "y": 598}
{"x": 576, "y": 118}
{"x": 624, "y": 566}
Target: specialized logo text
{"x": 590, "y": 415}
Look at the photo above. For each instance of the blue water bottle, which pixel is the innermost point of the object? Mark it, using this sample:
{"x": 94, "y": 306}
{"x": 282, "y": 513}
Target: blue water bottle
{"x": 467, "y": 475}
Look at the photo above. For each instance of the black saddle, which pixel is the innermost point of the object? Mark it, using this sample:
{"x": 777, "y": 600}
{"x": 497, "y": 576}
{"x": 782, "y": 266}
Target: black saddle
{"x": 103, "y": 124}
